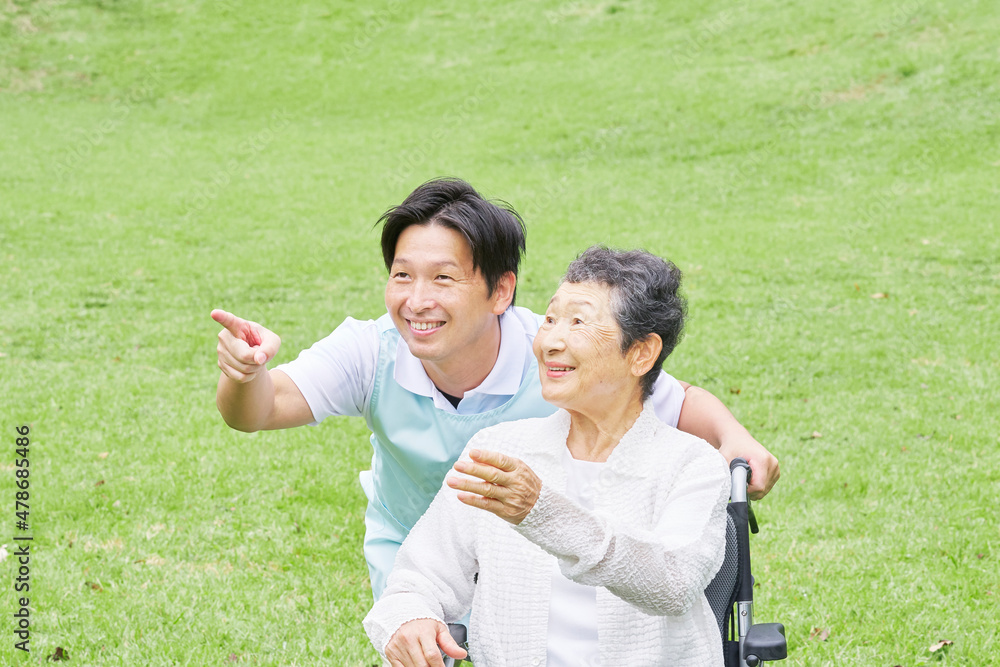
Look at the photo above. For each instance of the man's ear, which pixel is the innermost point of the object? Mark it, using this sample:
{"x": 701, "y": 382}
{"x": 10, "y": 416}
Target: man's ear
{"x": 503, "y": 294}
{"x": 643, "y": 353}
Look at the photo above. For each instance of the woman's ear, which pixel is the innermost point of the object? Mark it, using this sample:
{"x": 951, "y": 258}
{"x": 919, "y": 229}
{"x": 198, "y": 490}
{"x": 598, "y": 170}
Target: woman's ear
{"x": 643, "y": 354}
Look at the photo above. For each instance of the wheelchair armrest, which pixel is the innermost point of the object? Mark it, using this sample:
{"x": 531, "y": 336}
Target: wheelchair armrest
{"x": 765, "y": 642}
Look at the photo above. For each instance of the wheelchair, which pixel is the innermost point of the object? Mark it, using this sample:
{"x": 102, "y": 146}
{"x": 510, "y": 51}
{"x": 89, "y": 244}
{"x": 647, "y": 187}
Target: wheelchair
{"x": 730, "y": 594}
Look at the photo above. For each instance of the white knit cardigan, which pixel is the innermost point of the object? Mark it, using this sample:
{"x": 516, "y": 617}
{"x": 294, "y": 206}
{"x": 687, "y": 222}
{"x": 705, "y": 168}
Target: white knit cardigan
{"x": 654, "y": 540}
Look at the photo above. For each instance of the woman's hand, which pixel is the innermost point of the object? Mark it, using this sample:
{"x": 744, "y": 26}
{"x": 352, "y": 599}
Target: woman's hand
{"x": 416, "y": 644}
{"x": 509, "y": 488}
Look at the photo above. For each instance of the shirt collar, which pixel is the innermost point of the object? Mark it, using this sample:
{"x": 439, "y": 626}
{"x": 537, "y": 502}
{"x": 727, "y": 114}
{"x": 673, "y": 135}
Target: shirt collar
{"x": 504, "y": 379}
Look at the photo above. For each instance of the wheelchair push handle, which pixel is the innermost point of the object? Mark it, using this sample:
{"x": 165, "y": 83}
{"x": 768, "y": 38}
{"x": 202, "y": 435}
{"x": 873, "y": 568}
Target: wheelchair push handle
{"x": 741, "y": 473}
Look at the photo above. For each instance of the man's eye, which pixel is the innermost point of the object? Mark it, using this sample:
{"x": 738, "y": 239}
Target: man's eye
{"x": 400, "y": 274}
{"x": 549, "y": 319}
{"x": 443, "y": 277}
{"x": 577, "y": 320}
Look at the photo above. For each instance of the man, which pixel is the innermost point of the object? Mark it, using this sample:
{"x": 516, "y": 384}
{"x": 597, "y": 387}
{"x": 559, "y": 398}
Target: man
{"x": 465, "y": 363}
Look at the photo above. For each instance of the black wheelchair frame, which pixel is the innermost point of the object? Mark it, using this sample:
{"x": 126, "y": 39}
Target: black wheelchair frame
{"x": 730, "y": 594}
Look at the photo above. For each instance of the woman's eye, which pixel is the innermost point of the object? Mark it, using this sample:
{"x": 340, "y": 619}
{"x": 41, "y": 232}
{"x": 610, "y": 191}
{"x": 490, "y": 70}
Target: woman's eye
{"x": 577, "y": 320}
{"x": 549, "y": 319}
{"x": 443, "y": 277}
{"x": 400, "y": 274}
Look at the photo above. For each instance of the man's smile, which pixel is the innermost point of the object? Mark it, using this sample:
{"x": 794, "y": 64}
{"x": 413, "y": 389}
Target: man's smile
{"x": 424, "y": 327}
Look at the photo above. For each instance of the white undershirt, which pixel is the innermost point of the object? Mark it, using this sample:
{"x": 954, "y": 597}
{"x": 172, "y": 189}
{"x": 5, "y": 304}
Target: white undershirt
{"x": 572, "y": 637}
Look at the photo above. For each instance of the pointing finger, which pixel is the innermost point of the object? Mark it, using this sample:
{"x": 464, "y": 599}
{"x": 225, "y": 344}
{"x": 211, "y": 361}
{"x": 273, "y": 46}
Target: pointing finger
{"x": 228, "y": 320}
{"x": 237, "y": 326}
{"x": 245, "y": 330}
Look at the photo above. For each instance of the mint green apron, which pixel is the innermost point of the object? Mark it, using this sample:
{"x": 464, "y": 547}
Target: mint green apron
{"x": 415, "y": 444}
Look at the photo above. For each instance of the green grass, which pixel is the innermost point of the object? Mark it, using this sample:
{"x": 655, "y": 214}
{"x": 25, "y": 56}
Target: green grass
{"x": 158, "y": 160}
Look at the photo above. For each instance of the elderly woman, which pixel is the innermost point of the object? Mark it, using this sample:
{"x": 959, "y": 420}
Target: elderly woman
{"x": 584, "y": 538}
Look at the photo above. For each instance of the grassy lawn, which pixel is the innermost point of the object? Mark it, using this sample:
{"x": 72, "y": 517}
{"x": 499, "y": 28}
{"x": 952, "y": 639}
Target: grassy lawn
{"x": 826, "y": 175}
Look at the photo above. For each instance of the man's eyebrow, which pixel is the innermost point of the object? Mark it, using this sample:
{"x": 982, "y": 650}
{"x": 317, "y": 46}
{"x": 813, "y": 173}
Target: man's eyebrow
{"x": 437, "y": 265}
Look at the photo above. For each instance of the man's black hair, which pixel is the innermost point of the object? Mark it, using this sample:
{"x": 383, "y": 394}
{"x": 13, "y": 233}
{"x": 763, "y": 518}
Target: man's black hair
{"x": 493, "y": 229}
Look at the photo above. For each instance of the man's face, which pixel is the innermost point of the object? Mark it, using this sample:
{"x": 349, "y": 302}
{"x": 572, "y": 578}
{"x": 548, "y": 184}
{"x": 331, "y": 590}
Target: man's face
{"x": 438, "y": 302}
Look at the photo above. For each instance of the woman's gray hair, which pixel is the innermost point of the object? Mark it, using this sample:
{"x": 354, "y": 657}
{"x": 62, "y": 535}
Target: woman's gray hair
{"x": 644, "y": 298}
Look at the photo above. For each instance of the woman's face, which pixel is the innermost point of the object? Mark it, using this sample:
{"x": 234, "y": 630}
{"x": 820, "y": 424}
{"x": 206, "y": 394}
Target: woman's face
{"x": 579, "y": 350}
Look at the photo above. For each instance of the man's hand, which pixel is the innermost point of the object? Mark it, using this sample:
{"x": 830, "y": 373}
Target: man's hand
{"x": 244, "y": 347}
{"x": 416, "y": 644}
{"x": 509, "y": 488}
{"x": 705, "y": 416}
{"x": 764, "y": 466}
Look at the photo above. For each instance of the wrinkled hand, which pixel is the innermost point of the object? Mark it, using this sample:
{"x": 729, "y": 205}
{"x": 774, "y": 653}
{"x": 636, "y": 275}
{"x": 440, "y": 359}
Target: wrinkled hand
{"x": 763, "y": 464}
{"x": 415, "y": 644}
{"x": 509, "y": 488}
{"x": 244, "y": 347}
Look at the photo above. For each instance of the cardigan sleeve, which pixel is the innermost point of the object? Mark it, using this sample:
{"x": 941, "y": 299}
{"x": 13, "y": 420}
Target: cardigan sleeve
{"x": 433, "y": 576}
{"x": 659, "y": 569}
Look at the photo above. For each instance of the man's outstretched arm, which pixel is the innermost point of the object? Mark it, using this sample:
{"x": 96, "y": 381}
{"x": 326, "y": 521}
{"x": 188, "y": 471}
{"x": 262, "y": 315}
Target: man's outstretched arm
{"x": 250, "y": 397}
{"x": 707, "y": 417}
